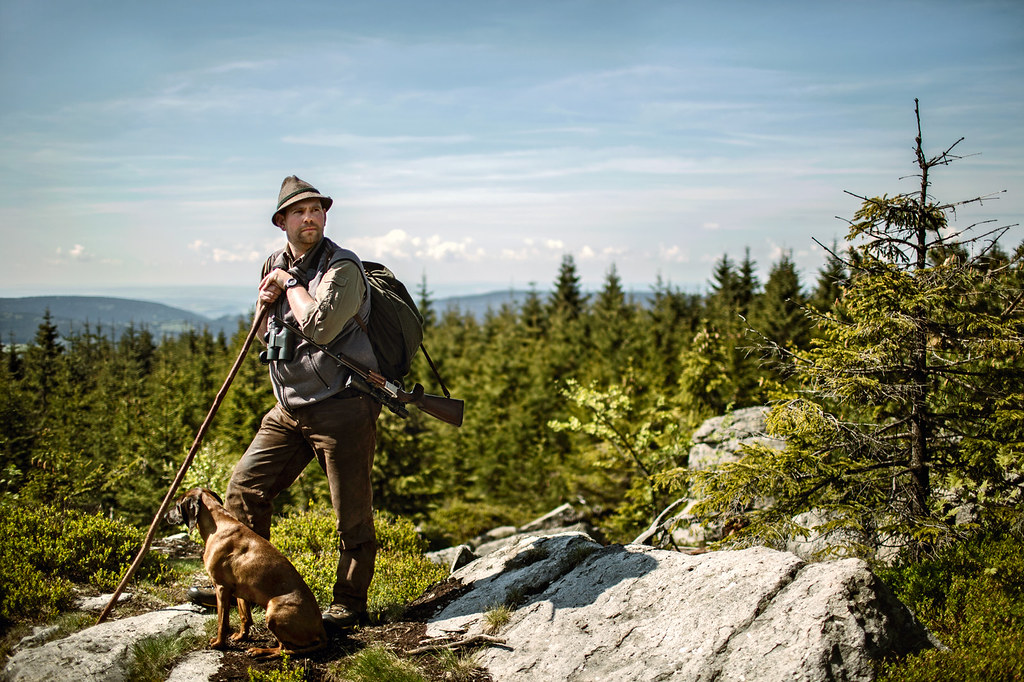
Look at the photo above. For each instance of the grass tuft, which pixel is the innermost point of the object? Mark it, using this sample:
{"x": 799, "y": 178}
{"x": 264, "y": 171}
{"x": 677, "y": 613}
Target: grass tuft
{"x": 497, "y": 617}
{"x": 374, "y": 664}
{"x": 457, "y": 668}
{"x": 152, "y": 657}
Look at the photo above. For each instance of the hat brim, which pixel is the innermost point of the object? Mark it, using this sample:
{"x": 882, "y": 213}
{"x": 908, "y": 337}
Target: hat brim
{"x": 326, "y": 202}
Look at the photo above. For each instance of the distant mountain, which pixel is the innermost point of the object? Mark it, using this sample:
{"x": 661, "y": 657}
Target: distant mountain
{"x": 21, "y": 317}
{"x": 111, "y": 316}
{"x": 477, "y": 305}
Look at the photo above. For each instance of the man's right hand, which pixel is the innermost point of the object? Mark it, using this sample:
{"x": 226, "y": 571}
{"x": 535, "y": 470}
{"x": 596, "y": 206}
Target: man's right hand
{"x": 272, "y": 286}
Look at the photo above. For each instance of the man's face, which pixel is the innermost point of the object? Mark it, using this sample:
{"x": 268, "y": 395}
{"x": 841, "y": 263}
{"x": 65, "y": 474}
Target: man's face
{"x": 303, "y": 222}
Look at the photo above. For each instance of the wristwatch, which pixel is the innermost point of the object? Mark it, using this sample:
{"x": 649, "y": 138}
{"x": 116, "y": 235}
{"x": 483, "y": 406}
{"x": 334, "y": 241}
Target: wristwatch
{"x": 291, "y": 282}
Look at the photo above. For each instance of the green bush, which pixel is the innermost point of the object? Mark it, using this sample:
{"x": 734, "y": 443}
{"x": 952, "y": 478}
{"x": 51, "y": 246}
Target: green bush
{"x": 44, "y": 550}
{"x": 402, "y": 573}
{"x": 971, "y": 595}
{"x": 458, "y": 521}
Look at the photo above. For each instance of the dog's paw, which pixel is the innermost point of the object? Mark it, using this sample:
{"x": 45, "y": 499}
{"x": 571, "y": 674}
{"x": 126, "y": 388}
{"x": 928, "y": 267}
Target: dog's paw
{"x": 257, "y": 652}
{"x": 239, "y": 636}
{"x": 218, "y": 643}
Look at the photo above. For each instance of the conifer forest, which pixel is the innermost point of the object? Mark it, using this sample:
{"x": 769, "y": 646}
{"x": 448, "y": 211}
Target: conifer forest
{"x": 894, "y": 372}
{"x": 894, "y": 375}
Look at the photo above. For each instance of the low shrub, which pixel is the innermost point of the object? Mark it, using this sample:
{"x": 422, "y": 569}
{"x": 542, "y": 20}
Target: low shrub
{"x": 971, "y": 596}
{"x": 285, "y": 672}
{"x": 402, "y": 573}
{"x": 44, "y": 550}
{"x": 458, "y": 521}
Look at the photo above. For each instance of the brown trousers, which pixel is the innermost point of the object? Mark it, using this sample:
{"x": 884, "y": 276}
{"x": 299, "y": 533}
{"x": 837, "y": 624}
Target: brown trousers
{"x": 341, "y": 433}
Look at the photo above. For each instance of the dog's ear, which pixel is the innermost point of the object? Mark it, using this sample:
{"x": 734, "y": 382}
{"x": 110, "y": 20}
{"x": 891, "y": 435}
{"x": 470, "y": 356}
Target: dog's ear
{"x": 190, "y": 511}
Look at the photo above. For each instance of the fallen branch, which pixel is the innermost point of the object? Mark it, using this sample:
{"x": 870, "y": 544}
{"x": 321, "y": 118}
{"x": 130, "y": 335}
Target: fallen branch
{"x": 457, "y": 644}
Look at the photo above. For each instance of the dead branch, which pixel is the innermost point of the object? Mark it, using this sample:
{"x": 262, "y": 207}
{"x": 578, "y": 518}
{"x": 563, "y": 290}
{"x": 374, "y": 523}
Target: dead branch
{"x": 456, "y": 644}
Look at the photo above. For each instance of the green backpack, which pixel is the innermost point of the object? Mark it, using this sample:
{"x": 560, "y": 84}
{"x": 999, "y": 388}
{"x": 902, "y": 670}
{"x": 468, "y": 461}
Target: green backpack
{"x": 395, "y": 327}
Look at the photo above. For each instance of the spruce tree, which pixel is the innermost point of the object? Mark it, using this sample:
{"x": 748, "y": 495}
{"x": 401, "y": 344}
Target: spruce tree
{"x": 832, "y": 277}
{"x": 747, "y": 284}
{"x": 425, "y": 303}
{"x": 567, "y": 300}
{"x": 780, "y": 317}
{"x": 724, "y": 296}
{"x": 41, "y": 361}
{"x": 910, "y": 410}
{"x": 611, "y": 325}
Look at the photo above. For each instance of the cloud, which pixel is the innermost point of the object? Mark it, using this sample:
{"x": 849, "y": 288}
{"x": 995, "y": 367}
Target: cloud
{"x": 673, "y": 254}
{"x": 441, "y": 250}
{"x": 197, "y": 245}
{"x": 400, "y": 245}
{"x": 546, "y": 249}
{"x": 235, "y": 256}
{"x": 77, "y": 254}
{"x": 394, "y": 244}
{"x": 364, "y": 141}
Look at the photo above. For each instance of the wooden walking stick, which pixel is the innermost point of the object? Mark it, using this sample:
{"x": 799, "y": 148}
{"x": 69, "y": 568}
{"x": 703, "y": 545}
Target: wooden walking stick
{"x": 261, "y": 312}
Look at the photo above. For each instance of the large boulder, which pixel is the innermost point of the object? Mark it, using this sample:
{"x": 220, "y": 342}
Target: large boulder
{"x": 717, "y": 441}
{"x": 102, "y": 652}
{"x": 563, "y": 519}
{"x": 638, "y": 613}
{"x": 720, "y": 439}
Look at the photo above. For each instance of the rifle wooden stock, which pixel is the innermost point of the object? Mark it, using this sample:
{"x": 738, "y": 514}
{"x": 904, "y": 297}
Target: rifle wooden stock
{"x": 448, "y": 410}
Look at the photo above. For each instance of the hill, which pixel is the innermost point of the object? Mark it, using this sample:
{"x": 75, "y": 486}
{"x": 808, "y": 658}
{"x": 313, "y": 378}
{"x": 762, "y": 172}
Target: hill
{"x": 112, "y": 315}
{"x": 21, "y": 317}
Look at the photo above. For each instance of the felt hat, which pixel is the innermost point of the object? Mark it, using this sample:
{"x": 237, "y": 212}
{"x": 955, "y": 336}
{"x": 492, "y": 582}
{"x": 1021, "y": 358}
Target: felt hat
{"x": 292, "y": 190}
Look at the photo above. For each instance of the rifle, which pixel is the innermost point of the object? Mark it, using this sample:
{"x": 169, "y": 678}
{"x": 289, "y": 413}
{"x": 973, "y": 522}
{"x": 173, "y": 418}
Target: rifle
{"x": 376, "y": 385}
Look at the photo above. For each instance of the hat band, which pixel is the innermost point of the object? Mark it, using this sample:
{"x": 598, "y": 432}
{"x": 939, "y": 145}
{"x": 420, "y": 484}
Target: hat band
{"x": 297, "y": 193}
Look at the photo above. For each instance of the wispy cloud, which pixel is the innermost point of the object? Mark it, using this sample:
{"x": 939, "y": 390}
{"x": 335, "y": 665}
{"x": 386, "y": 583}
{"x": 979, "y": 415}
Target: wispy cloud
{"x": 401, "y": 245}
{"x": 369, "y": 141}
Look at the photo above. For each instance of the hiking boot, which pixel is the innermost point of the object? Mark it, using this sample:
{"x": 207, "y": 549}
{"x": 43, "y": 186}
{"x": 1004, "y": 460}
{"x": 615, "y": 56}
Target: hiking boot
{"x": 339, "y": 616}
{"x": 203, "y": 596}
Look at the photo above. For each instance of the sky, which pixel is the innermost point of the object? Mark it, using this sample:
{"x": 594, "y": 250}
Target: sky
{"x": 473, "y": 145}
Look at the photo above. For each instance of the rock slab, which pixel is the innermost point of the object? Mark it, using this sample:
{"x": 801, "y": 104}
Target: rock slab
{"x": 101, "y": 652}
{"x": 632, "y": 613}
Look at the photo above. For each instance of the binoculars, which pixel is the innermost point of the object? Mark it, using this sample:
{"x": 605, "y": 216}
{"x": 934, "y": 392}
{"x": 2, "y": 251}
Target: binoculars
{"x": 280, "y": 344}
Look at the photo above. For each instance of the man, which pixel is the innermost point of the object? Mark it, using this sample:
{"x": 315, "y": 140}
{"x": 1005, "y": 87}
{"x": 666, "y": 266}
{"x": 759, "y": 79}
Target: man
{"x": 320, "y": 288}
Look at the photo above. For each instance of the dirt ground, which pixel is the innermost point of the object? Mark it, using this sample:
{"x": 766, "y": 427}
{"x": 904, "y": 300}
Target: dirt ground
{"x": 401, "y": 637}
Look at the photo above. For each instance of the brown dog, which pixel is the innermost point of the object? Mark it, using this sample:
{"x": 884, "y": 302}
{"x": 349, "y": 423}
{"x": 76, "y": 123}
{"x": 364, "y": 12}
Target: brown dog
{"x": 248, "y": 568}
